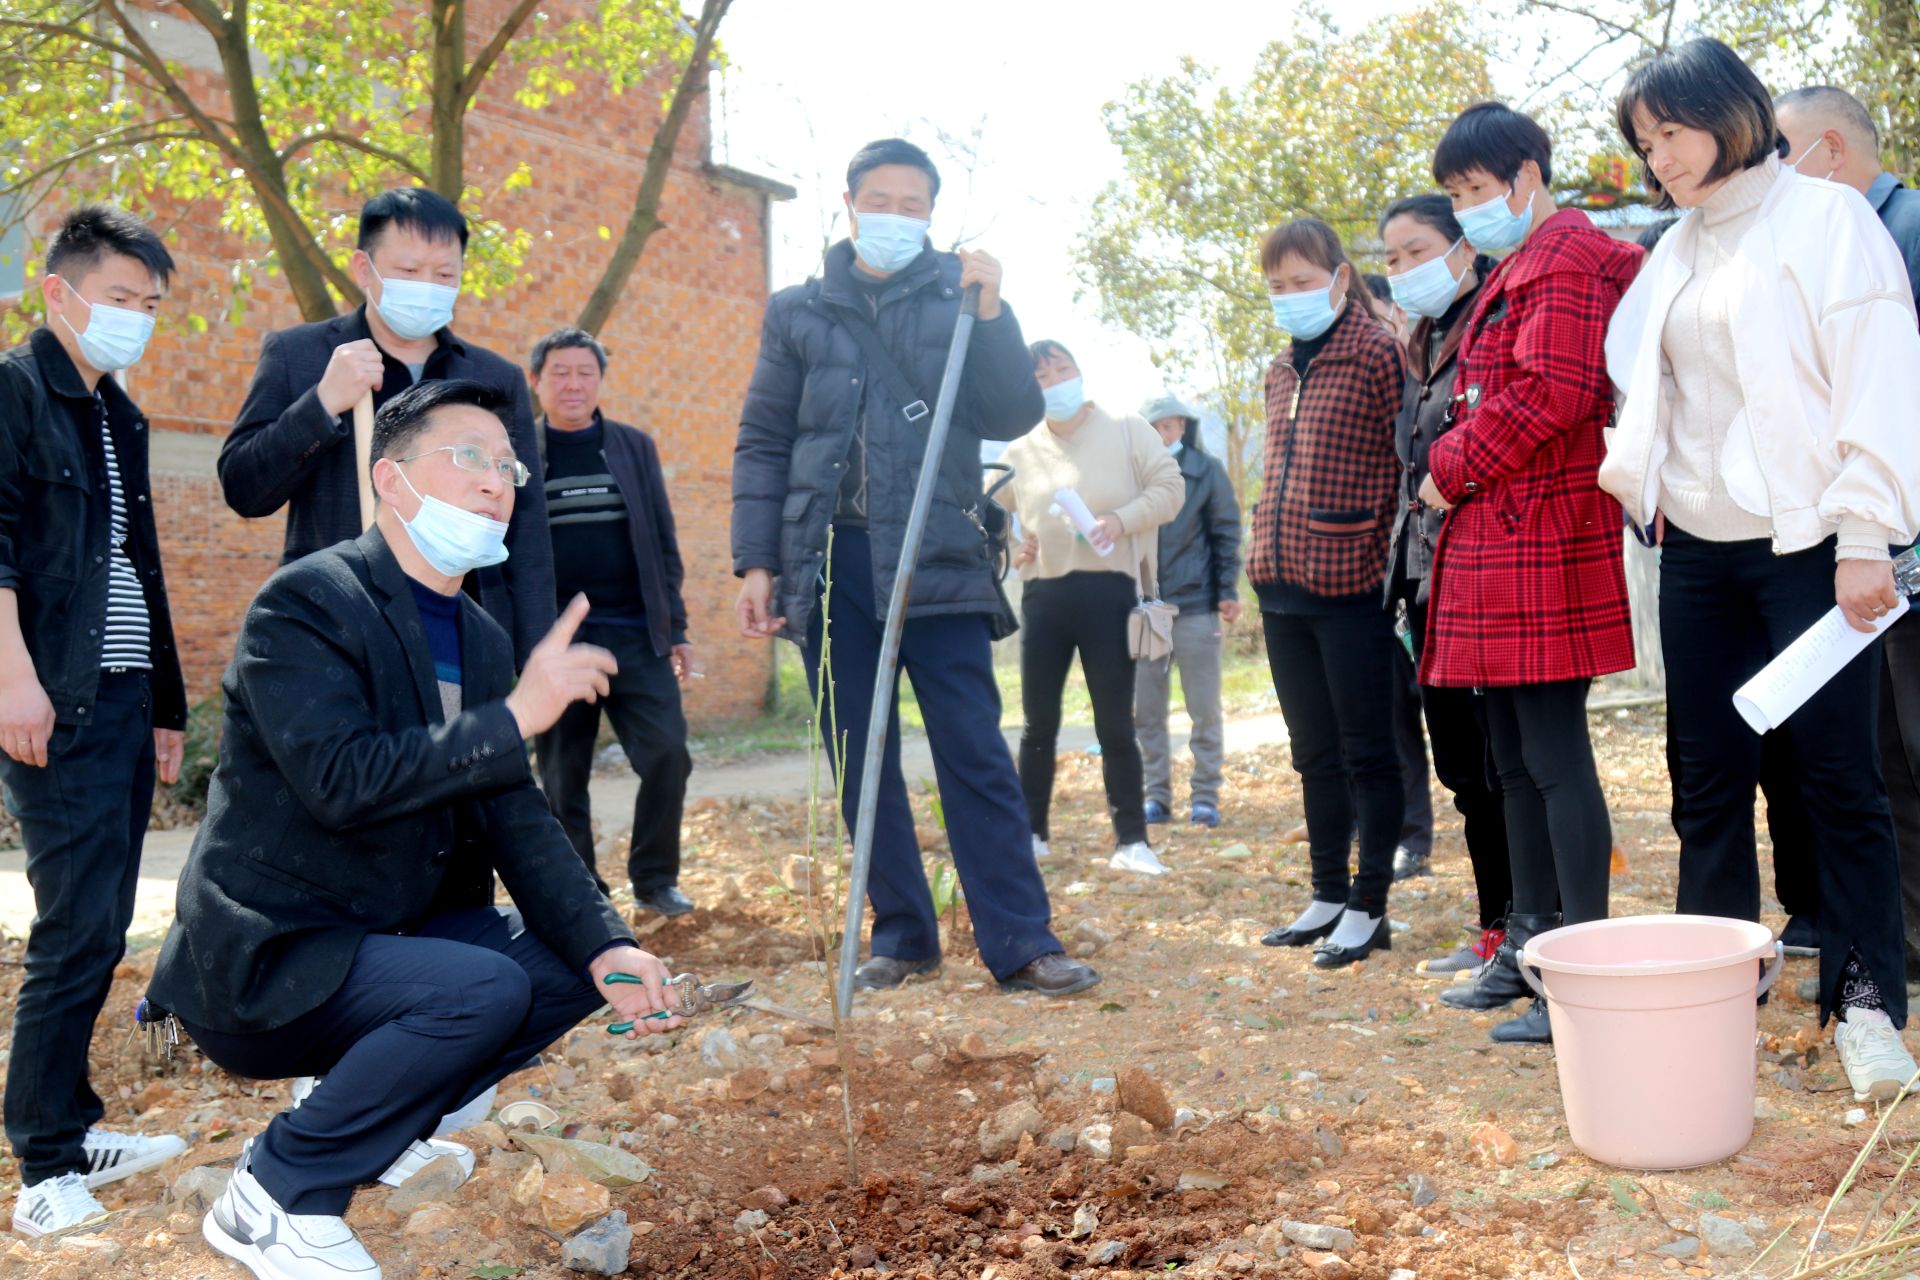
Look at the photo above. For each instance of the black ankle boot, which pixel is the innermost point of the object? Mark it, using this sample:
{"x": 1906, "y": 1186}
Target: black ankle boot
{"x": 1531, "y": 1027}
{"x": 1500, "y": 982}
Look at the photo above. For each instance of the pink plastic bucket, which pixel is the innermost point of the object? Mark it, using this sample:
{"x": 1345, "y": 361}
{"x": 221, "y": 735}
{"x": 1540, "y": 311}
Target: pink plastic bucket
{"x": 1653, "y": 1033}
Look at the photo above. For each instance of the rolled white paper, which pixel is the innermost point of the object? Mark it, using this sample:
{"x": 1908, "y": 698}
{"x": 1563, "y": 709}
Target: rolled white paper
{"x": 1784, "y": 684}
{"x": 1083, "y": 519}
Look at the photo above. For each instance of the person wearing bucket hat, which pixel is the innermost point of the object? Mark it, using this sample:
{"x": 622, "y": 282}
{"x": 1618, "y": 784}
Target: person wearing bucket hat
{"x": 1770, "y": 362}
{"x": 1200, "y": 574}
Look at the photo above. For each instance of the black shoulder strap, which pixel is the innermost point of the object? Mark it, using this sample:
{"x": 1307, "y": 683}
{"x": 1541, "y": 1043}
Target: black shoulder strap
{"x": 881, "y": 361}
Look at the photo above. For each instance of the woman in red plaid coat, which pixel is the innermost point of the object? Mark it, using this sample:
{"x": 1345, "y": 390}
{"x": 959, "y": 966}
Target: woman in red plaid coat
{"x": 1317, "y": 558}
{"x": 1529, "y": 598}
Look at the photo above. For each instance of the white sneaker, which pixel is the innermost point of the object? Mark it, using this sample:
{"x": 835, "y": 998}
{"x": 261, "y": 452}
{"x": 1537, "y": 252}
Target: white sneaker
{"x": 1040, "y": 849}
{"x": 453, "y": 1122}
{"x": 1137, "y": 857}
{"x": 417, "y": 1155}
{"x": 247, "y": 1226}
{"x": 1877, "y": 1063}
{"x": 113, "y": 1156}
{"x": 56, "y": 1204}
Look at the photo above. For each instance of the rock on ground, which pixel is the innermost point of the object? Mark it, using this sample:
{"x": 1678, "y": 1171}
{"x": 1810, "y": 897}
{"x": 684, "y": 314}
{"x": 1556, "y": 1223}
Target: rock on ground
{"x": 1312, "y": 1235}
{"x": 1142, "y": 1095}
{"x": 603, "y": 1249}
{"x": 1000, "y": 1132}
{"x": 1724, "y": 1235}
{"x": 199, "y": 1187}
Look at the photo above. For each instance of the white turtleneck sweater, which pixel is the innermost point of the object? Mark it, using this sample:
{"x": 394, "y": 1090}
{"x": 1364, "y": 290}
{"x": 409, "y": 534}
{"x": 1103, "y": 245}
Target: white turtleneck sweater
{"x": 1697, "y": 344}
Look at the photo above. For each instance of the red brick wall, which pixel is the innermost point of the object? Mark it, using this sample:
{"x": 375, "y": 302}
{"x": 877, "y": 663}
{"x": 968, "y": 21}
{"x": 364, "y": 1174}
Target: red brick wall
{"x": 683, "y": 340}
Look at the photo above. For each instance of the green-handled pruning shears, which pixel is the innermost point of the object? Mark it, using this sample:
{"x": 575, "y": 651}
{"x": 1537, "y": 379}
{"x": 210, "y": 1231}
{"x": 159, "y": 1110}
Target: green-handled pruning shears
{"x": 692, "y": 995}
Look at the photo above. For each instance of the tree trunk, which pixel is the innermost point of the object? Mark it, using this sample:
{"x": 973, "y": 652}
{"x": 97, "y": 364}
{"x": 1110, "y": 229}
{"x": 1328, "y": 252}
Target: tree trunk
{"x": 645, "y": 218}
{"x": 449, "y": 152}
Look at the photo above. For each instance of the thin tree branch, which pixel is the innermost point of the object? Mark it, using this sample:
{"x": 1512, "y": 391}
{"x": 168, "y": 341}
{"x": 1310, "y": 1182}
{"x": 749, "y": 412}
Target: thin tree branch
{"x": 72, "y": 158}
{"x": 645, "y": 218}
{"x": 352, "y": 143}
{"x": 476, "y": 73}
{"x": 1605, "y": 24}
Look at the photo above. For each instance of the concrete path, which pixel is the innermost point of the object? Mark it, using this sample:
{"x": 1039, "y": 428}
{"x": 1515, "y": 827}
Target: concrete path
{"x": 781, "y": 776}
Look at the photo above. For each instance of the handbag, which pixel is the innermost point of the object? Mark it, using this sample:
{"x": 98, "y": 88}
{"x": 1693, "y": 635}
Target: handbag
{"x": 1150, "y": 622}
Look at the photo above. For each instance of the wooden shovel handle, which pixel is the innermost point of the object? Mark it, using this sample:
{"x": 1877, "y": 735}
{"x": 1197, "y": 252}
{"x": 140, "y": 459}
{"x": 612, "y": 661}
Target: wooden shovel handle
{"x": 363, "y": 456}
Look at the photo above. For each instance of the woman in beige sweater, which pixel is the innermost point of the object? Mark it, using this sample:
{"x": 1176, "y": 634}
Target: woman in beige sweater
{"x": 1077, "y": 589}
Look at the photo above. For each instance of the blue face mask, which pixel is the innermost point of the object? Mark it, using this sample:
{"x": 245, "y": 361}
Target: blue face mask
{"x": 1176, "y": 447}
{"x": 1428, "y": 289}
{"x": 1305, "y": 315}
{"x": 1064, "y": 399}
{"x": 114, "y": 338}
{"x": 887, "y": 242}
{"x": 1493, "y": 227}
{"x": 416, "y": 309}
{"x": 451, "y": 539}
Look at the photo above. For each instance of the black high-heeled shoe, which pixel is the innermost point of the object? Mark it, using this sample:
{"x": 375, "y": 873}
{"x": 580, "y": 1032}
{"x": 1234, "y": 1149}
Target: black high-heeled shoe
{"x": 1328, "y": 956}
{"x": 1288, "y": 936}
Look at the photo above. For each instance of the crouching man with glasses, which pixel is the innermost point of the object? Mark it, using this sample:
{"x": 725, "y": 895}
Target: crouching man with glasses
{"x": 372, "y": 757}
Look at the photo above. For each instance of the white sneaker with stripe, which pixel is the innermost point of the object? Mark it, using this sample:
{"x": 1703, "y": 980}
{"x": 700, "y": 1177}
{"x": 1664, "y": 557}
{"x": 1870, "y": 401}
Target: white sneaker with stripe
{"x": 113, "y": 1156}
{"x": 56, "y": 1204}
{"x": 248, "y": 1226}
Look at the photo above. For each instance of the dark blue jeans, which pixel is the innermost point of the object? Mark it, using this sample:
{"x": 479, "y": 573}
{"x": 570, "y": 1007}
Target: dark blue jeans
{"x": 644, "y": 706}
{"x": 950, "y": 661}
{"x": 422, "y": 1024}
{"x": 83, "y": 819}
{"x": 1333, "y": 675}
{"x": 1726, "y": 609}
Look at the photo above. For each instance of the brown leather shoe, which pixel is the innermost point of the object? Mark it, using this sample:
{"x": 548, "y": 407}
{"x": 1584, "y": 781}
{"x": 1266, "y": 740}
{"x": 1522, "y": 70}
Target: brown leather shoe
{"x": 883, "y": 973}
{"x": 1051, "y": 975}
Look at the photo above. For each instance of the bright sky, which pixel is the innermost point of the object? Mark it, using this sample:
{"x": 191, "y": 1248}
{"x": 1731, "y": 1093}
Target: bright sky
{"x": 811, "y": 81}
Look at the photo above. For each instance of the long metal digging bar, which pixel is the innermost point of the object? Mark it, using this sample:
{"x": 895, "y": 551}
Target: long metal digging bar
{"x": 881, "y": 714}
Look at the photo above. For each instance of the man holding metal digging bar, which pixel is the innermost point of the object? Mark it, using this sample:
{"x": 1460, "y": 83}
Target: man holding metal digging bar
{"x": 372, "y": 760}
{"x": 839, "y": 417}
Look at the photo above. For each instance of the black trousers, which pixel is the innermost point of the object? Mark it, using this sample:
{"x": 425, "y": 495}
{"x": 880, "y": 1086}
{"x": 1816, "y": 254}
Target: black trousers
{"x": 1457, "y": 727}
{"x": 1416, "y": 827}
{"x": 644, "y": 705}
{"x": 1559, "y": 838}
{"x": 1726, "y": 608}
{"x": 1084, "y": 613}
{"x": 1330, "y": 672}
{"x": 83, "y": 819}
{"x": 1900, "y": 761}
{"x": 422, "y": 1024}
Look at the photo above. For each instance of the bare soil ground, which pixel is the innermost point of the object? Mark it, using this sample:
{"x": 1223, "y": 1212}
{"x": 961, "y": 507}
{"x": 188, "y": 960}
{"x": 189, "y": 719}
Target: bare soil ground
{"x": 1350, "y": 1099}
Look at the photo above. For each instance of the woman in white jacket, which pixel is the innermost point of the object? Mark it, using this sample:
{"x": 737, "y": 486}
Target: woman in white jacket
{"x": 1770, "y": 362}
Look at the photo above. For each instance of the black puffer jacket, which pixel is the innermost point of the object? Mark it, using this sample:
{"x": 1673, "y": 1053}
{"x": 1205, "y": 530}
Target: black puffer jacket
{"x": 1200, "y": 547}
{"x": 1431, "y": 349}
{"x": 810, "y": 386}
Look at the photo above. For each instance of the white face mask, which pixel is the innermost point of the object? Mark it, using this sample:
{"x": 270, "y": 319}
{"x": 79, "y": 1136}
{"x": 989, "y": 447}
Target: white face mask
{"x": 415, "y": 309}
{"x": 453, "y": 540}
{"x": 1795, "y": 166}
{"x": 115, "y": 337}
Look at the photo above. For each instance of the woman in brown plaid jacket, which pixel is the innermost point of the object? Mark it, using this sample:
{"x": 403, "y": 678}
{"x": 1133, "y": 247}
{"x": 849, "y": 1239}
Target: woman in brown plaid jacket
{"x": 1317, "y": 559}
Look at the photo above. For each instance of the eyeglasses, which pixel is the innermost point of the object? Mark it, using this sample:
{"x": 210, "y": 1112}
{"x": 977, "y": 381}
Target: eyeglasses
{"x": 471, "y": 457}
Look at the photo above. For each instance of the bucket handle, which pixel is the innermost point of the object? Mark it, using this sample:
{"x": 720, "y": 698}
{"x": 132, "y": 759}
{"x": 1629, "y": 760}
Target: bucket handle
{"x": 1772, "y": 974}
{"x": 1767, "y": 979}
{"x": 1525, "y": 965}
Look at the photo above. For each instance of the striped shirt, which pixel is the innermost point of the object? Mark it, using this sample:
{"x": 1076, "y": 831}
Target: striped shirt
{"x": 129, "y": 638}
